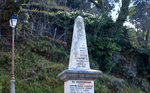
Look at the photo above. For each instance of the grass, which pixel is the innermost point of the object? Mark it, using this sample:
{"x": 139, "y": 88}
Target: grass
{"x": 110, "y": 84}
{"x": 34, "y": 73}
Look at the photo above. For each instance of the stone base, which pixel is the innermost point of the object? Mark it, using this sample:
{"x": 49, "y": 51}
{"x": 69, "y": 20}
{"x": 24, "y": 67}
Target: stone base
{"x": 12, "y": 88}
{"x": 79, "y": 75}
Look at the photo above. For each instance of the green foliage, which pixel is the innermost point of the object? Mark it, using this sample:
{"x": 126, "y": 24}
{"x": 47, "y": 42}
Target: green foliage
{"x": 111, "y": 84}
{"x": 48, "y": 49}
{"x": 101, "y": 42}
{"x": 8, "y": 7}
{"x": 102, "y": 51}
{"x": 41, "y": 7}
{"x": 38, "y": 60}
{"x": 59, "y": 89}
{"x": 143, "y": 64}
{"x": 5, "y": 58}
{"x": 124, "y": 40}
{"x": 99, "y": 33}
{"x": 132, "y": 11}
{"x": 33, "y": 72}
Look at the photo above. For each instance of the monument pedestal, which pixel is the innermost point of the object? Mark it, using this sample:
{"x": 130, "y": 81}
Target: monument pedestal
{"x": 78, "y": 81}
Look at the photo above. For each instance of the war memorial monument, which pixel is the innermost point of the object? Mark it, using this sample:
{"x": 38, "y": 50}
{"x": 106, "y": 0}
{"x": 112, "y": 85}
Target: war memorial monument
{"x": 79, "y": 78}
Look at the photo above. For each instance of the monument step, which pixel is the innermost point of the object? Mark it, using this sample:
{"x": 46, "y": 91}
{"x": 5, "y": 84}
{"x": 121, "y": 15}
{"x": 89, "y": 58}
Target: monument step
{"x": 79, "y": 74}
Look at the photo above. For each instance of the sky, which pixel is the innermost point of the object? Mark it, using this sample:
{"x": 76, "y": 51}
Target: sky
{"x": 114, "y": 14}
{"x": 114, "y": 11}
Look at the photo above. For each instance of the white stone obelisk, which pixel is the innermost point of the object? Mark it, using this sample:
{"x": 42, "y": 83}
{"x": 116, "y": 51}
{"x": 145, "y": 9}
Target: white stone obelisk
{"x": 79, "y": 78}
{"x": 79, "y": 53}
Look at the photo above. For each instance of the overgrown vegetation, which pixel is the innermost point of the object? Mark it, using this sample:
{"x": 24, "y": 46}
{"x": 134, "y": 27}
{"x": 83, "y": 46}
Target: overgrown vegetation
{"x": 34, "y": 71}
{"x": 42, "y": 47}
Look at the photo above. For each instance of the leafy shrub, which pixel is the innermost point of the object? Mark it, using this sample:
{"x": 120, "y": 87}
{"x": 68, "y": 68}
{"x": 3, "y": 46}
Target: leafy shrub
{"x": 143, "y": 64}
{"x": 102, "y": 51}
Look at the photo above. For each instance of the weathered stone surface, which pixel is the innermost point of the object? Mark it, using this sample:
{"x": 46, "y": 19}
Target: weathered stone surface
{"x": 79, "y": 59}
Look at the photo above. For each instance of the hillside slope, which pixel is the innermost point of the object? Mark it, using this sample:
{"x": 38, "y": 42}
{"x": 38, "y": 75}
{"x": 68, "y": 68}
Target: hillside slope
{"x": 42, "y": 47}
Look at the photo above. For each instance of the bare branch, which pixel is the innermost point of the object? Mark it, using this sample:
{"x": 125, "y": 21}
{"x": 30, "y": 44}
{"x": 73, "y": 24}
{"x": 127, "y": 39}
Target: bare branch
{"x": 98, "y": 5}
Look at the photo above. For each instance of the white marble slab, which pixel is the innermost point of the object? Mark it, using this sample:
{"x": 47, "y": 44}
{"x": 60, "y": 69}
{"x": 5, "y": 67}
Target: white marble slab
{"x": 79, "y": 86}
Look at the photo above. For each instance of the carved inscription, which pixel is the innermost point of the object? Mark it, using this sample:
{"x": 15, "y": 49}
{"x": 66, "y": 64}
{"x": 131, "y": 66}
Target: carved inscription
{"x": 82, "y": 59}
{"x": 81, "y": 86}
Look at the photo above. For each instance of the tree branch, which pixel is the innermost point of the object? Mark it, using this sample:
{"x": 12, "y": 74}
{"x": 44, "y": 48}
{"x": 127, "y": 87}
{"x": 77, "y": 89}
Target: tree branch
{"x": 99, "y": 5}
{"x": 124, "y": 11}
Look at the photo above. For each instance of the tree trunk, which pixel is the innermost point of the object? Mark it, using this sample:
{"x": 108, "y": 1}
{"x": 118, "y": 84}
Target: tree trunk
{"x": 138, "y": 37}
{"x": 0, "y": 34}
{"x": 122, "y": 15}
{"x": 65, "y": 3}
{"x": 147, "y": 37}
